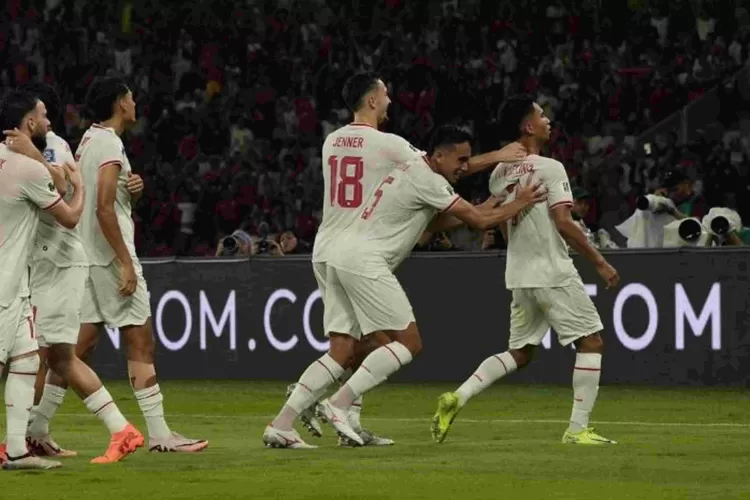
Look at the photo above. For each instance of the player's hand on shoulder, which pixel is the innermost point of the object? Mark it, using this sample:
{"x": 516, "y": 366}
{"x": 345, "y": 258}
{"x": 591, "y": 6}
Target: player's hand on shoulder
{"x": 531, "y": 191}
{"x": 21, "y": 144}
{"x": 513, "y": 152}
{"x": 134, "y": 184}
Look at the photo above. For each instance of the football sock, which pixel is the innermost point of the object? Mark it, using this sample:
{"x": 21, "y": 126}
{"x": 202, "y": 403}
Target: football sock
{"x": 52, "y": 399}
{"x": 101, "y": 404}
{"x": 19, "y": 397}
{"x": 586, "y": 374}
{"x": 355, "y": 411}
{"x": 151, "y": 402}
{"x": 491, "y": 370}
{"x": 318, "y": 376}
{"x": 376, "y": 368}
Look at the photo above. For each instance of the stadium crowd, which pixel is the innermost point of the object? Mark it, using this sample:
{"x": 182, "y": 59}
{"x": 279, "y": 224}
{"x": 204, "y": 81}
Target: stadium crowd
{"x": 235, "y": 98}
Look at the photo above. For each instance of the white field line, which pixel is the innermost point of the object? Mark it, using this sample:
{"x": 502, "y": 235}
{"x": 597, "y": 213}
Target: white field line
{"x": 467, "y": 420}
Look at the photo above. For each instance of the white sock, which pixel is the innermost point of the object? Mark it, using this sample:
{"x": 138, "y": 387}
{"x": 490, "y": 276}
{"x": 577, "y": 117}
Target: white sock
{"x": 52, "y": 399}
{"x": 491, "y": 370}
{"x": 376, "y": 368}
{"x": 101, "y": 404}
{"x": 19, "y": 398}
{"x": 318, "y": 376}
{"x": 150, "y": 400}
{"x": 586, "y": 374}
{"x": 355, "y": 412}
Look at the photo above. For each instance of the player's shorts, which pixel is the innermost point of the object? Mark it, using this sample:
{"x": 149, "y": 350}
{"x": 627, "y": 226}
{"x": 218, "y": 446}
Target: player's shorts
{"x": 56, "y": 295}
{"x": 103, "y": 303}
{"x": 320, "y": 270}
{"x": 357, "y": 305}
{"x": 568, "y": 310}
{"x": 17, "y": 333}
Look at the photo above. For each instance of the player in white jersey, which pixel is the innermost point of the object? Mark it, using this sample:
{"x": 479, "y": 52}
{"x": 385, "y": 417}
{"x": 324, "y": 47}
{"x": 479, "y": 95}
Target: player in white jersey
{"x": 116, "y": 293}
{"x": 547, "y": 290}
{"x": 26, "y": 190}
{"x": 355, "y": 159}
{"x": 58, "y": 275}
{"x": 360, "y": 285}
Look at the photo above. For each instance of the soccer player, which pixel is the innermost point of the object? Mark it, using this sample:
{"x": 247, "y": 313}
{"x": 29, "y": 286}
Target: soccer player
{"x": 26, "y": 189}
{"x": 361, "y": 288}
{"x": 116, "y": 292}
{"x": 547, "y": 290}
{"x": 356, "y": 157}
{"x": 58, "y": 275}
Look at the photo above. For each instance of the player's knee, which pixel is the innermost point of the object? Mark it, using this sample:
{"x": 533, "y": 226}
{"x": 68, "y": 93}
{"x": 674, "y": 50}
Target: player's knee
{"x": 591, "y": 344}
{"x": 59, "y": 359}
{"x": 410, "y": 338}
{"x": 522, "y": 356}
{"x": 141, "y": 345}
{"x": 342, "y": 349}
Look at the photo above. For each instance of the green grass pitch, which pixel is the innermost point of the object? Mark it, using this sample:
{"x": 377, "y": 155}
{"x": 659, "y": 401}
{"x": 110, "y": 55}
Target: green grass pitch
{"x": 674, "y": 444}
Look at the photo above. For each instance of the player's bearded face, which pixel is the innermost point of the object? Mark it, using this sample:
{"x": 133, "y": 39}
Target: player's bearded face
{"x": 38, "y": 125}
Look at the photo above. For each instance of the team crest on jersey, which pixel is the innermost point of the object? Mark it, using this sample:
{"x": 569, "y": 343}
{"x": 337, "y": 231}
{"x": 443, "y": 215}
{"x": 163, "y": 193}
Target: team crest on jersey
{"x": 49, "y": 155}
{"x": 51, "y": 187}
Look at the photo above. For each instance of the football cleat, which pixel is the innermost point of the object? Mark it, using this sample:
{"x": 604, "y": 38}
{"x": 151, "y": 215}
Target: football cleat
{"x": 29, "y": 462}
{"x": 45, "y": 446}
{"x": 368, "y": 438}
{"x": 275, "y": 438}
{"x": 340, "y": 421}
{"x": 586, "y": 436}
{"x": 308, "y": 417}
{"x": 446, "y": 413}
{"x": 121, "y": 445}
{"x": 176, "y": 443}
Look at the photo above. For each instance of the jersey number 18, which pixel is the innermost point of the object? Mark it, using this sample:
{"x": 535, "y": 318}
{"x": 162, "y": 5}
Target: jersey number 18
{"x": 346, "y": 181}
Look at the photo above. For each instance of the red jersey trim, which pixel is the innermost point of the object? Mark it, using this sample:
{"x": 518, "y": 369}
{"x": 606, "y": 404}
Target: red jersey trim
{"x": 111, "y": 162}
{"x": 58, "y": 200}
{"x": 455, "y": 200}
{"x": 562, "y": 204}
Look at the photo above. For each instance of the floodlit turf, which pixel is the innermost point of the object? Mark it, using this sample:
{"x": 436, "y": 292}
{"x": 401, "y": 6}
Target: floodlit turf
{"x": 675, "y": 444}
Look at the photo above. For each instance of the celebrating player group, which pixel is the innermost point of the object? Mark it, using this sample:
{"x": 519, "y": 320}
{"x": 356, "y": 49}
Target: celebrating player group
{"x": 68, "y": 266}
{"x": 382, "y": 196}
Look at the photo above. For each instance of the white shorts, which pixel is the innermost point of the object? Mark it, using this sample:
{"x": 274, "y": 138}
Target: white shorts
{"x": 56, "y": 295}
{"x": 358, "y": 306}
{"x": 103, "y": 303}
{"x": 568, "y": 310}
{"x": 17, "y": 334}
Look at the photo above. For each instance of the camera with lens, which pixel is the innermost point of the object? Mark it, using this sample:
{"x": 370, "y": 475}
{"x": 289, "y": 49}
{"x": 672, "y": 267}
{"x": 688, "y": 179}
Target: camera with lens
{"x": 654, "y": 203}
{"x": 722, "y": 221}
{"x": 232, "y": 245}
{"x": 263, "y": 230}
{"x": 686, "y": 233}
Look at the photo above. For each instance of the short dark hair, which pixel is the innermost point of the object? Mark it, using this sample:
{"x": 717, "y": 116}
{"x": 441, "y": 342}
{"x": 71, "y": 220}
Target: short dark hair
{"x": 102, "y": 95}
{"x": 447, "y": 135}
{"x": 51, "y": 99}
{"x": 356, "y": 88}
{"x": 16, "y": 104}
{"x": 512, "y": 114}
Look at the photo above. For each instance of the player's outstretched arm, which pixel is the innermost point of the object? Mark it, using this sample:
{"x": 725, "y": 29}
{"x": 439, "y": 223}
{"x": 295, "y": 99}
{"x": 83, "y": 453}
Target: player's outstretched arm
{"x": 573, "y": 234}
{"x": 527, "y": 196}
{"x": 511, "y": 153}
{"x": 68, "y": 214}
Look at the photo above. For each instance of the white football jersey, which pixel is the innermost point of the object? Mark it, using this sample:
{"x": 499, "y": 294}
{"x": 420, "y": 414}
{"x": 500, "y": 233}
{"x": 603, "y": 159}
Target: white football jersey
{"x": 58, "y": 244}
{"x": 355, "y": 159}
{"x": 537, "y": 254}
{"x": 392, "y": 220}
{"x": 26, "y": 188}
{"x": 100, "y": 147}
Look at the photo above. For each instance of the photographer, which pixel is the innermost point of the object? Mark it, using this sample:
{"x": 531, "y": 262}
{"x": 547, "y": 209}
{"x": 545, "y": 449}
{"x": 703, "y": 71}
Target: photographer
{"x": 237, "y": 244}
